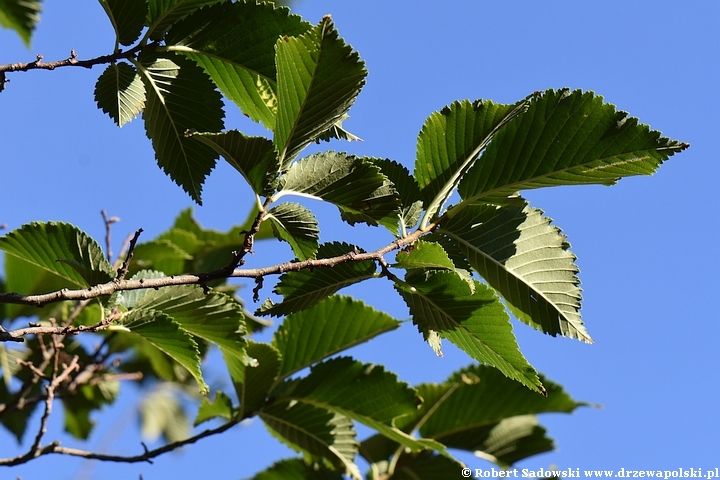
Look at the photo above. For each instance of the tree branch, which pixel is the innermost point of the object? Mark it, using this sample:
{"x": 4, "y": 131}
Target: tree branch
{"x": 71, "y": 61}
{"x": 196, "y": 279}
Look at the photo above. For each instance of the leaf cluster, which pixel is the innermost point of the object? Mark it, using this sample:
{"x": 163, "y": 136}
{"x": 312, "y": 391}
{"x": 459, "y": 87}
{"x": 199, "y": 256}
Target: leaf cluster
{"x": 469, "y": 251}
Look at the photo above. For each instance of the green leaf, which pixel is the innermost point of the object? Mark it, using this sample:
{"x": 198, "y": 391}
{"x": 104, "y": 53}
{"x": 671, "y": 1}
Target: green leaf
{"x": 524, "y": 258}
{"x": 162, "y": 14}
{"x": 315, "y": 432}
{"x": 425, "y": 466}
{"x": 120, "y": 92}
{"x": 502, "y": 422}
{"x": 167, "y": 336}
{"x": 305, "y": 288}
{"x": 253, "y": 157}
{"x": 160, "y": 255}
{"x": 221, "y": 407}
{"x": 443, "y": 306}
{"x": 565, "y": 138}
{"x": 424, "y": 254}
{"x": 235, "y": 44}
{"x": 129, "y": 298}
{"x": 296, "y": 225}
{"x": 333, "y": 325}
{"x": 258, "y": 378}
{"x": 127, "y": 18}
{"x": 318, "y": 78}
{"x": 407, "y": 189}
{"x": 180, "y": 98}
{"x": 215, "y": 317}
{"x": 161, "y": 414}
{"x": 355, "y": 185}
{"x": 296, "y": 469}
{"x": 450, "y": 142}
{"x": 60, "y": 249}
{"x": 21, "y": 16}
{"x": 363, "y": 392}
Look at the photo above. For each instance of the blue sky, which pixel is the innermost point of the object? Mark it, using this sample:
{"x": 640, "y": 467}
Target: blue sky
{"x": 646, "y": 247}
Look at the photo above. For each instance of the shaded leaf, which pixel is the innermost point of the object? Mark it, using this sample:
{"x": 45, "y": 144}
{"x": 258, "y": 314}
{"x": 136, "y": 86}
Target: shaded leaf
{"x": 450, "y": 142}
{"x": 315, "y": 432}
{"x": 296, "y": 225}
{"x": 88, "y": 398}
{"x": 526, "y": 259}
{"x": 160, "y": 255}
{"x": 363, "y": 392}
{"x": 221, "y": 407}
{"x": 163, "y": 13}
{"x": 296, "y": 469}
{"x": 180, "y": 98}
{"x": 514, "y": 439}
{"x": 258, "y": 378}
{"x": 305, "y": 288}
{"x": 443, "y": 305}
{"x": 120, "y": 92}
{"x": 246, "y": 75}
{"x": 318, "y": 78}
{"x": 355, "y": 185}
{"x": 335, "y": 324}
{"x": 21, "y": 16}
{"x": 565, "y": 138}
{"x": 167, "y": 336}
{"x": 60, "y": 249}
{"x": 426, "y": 466}
{"x": 407, "y": 189}
{"x": 127, "y": 18}
{"x": 253, "y": 157}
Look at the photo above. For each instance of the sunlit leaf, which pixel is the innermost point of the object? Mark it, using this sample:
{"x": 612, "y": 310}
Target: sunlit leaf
{"x": 524, "y": 258}
{"x": 161, "y": 414}
{"x": 424, "y": 254}
{"x": 407, "y": 189}
{"x": 221, "y": 407}
{"x": 443, "y": 306}
{"x": 318, "y": 78}
{"x": 565, "y": 138}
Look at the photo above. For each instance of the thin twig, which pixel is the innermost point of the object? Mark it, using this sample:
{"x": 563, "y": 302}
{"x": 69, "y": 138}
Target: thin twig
{"x": 123, "y": 270}
{"x": 108, "y": 228}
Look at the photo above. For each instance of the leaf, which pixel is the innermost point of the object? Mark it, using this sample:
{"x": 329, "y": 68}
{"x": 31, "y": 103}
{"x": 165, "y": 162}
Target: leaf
{"x": 565, "y": 138}
{"x": 253, "y": 157}
{"x": 526, "y": 259}
{"x": 296, "y": 469}
{"x": 450, "y": 142}
{"x": 258, "y": 379}
{"x": 296, "y": 225}
{"x": 424, "y": 254}
{"x": 318, "y": 78}
{"x": 21, "y": 16}
{"x": 364, "y": 392}
{"x": 120, "y": 92}
{"x": 442, "y": 304}
{"x": 407, "y": 189}
{"x": 180, "y": 97}
{"x": 127, "y": 18}
{"x": 333, "y": 325}
{"x": 235, "y": 44}
{"x": 60, "y": 249}
{"x": 425, "y": 466}
{"x": 221, "y": 407}
{"x": 314, "y": 432}
{"x": 305, "y": 288}
{"x": 355, "y": 185}
{"x": 167, "y": 336}
{"x": 214, "y": 317}
{"x": 502, "y": 422}
{"x": 162, "y": 14}
{"x": 129, "y": 298}
{"x": 161, "y": 414}
{"x": 160, "y": 255}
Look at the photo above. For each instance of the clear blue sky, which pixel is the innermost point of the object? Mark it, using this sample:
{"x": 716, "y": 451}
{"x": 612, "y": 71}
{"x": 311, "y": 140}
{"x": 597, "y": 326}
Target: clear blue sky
{"x": 647, "y": 247}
